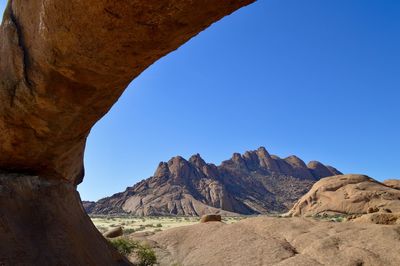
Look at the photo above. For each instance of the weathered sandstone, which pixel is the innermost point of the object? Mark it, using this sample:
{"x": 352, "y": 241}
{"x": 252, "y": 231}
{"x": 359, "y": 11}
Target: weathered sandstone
{"x": 210, "y": 218}
{"x": 42, "y": 222}
{"x": 64, "y": 63}
{"x": 347, "y": 194}
{"x": 253, "y": 183}
{"x": 264, "y": 241}
{"x": 62, "y": 66}
{"x": 393, "y": 183}
{"x": 115, "y": 232}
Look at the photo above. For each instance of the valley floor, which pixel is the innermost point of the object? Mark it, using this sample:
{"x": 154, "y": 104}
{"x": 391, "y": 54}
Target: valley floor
{"x": 132, "y": 224}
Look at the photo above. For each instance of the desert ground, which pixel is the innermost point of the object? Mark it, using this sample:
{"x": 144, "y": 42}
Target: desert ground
{"x": 263, "y": 240}
{"x": 343, "y": 220}
{"x": 131, "y": 224}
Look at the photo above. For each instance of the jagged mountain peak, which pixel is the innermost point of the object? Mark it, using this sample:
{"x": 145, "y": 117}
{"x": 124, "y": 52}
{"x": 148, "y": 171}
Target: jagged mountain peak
{"x": 197, "y": 160}
{"x": 255, "y": 182}
{"x": 295, "y": 161}
{"x": 162, "y": 169}
{"x": 319, "y": 169}
{"x": 262, "y": 152}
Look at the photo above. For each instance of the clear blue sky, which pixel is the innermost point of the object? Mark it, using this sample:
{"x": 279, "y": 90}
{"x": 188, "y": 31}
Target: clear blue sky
{"x": 319, "y": 79}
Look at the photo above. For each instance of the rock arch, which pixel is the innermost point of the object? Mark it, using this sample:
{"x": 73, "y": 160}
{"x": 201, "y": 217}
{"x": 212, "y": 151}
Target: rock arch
{"x": 62, "y": 66}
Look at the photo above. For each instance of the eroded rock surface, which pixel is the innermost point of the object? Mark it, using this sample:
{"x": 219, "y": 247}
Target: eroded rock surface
{"x": 42, "y": 222}
{"x": 63, "y": 64}
{"x": 210, "y": 218}
{"x": 252, "y": 183}
{"x": 347, "y": 194}
{"x": 393, "y": 183}
{"x": 266, "y": 241}
{"x": 115, "y": 232}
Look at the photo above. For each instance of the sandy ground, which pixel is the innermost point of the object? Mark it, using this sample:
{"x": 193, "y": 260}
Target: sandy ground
{"x": 148, "y": 224}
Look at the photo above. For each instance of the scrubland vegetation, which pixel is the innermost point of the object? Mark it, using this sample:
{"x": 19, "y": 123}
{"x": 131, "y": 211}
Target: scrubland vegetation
{"x": 132, "y": 224}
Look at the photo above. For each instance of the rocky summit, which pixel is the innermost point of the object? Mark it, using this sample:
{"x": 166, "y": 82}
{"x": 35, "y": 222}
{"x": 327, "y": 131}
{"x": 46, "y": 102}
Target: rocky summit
{"x": 250, "y": 183}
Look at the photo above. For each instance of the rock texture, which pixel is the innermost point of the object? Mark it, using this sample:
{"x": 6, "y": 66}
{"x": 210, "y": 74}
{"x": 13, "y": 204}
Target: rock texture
{"x": 115, "y": 232}
{"x": 266, "y": 241}
{"x": 62, "y": 66}
{"x": 40, "y": 227}
{"x": 88, "y": 205}
{"x": 62, "y": 70}
{"x": 393, "y": 183}
{"x": 379, "y": 218}
{"x": 254, "y": 182}
{"x": 210, "y": 218}
{"x": 347, "y": 194}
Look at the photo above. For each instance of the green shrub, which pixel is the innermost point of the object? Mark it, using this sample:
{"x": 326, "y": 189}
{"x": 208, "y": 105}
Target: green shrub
{"x": 124, "y": 246}
{"x": 145, "y": 254}
{"x": 129, "y": 231}
{"x": 159, "y": 225}
{"x": 141, "y": 228}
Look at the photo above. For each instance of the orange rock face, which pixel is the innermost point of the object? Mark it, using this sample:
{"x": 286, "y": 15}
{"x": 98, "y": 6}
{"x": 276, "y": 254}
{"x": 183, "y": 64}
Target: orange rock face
{"x": 42, "y": 223}
{"x": 64, "y": 63}
{"x": 347, "y": 194}
{"x": 62, "y": 66}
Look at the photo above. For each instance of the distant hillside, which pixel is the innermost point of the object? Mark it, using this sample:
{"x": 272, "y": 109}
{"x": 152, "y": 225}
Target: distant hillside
{"x": 252, "y": 183}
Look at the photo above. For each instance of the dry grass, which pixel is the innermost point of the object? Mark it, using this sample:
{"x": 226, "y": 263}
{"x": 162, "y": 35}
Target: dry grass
{"x": 132, "y": 224}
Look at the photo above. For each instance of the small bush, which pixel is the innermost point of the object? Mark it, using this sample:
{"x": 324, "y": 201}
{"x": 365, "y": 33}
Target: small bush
{"x": 141, "y": 228}
{"x": 124, "y": 246}
{"x": 129, "y": 231}
{"x": 145, "y": 254}
{"x": 159, "y": 225}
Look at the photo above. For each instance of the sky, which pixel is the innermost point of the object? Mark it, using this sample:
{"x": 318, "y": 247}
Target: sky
{"x": 318, "y": 79}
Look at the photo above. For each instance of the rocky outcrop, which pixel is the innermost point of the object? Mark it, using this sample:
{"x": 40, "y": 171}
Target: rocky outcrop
{"x": 318, "y": 169}
{"x": 347, "y": 194}
{"x": 255, "y": 182}
{"x": 113, "y": 233}
{"x": 210, "y": 218}
{"x": 61, "y": 70}
{"x": 379, "y": 218}
{"x": 393, "y": 183}
{"x": 42, "y": 222}
{"x": 279, "y": 241}
{"x": 88, "y": 205}
{"x": 62, "y": 66}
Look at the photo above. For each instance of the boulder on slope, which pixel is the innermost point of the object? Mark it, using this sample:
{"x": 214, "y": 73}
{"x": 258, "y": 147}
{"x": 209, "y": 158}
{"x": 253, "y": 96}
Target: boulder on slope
{"x": 393, "y": 183}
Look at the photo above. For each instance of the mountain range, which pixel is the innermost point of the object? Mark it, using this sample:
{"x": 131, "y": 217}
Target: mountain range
{"x": 251, "y": 183}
